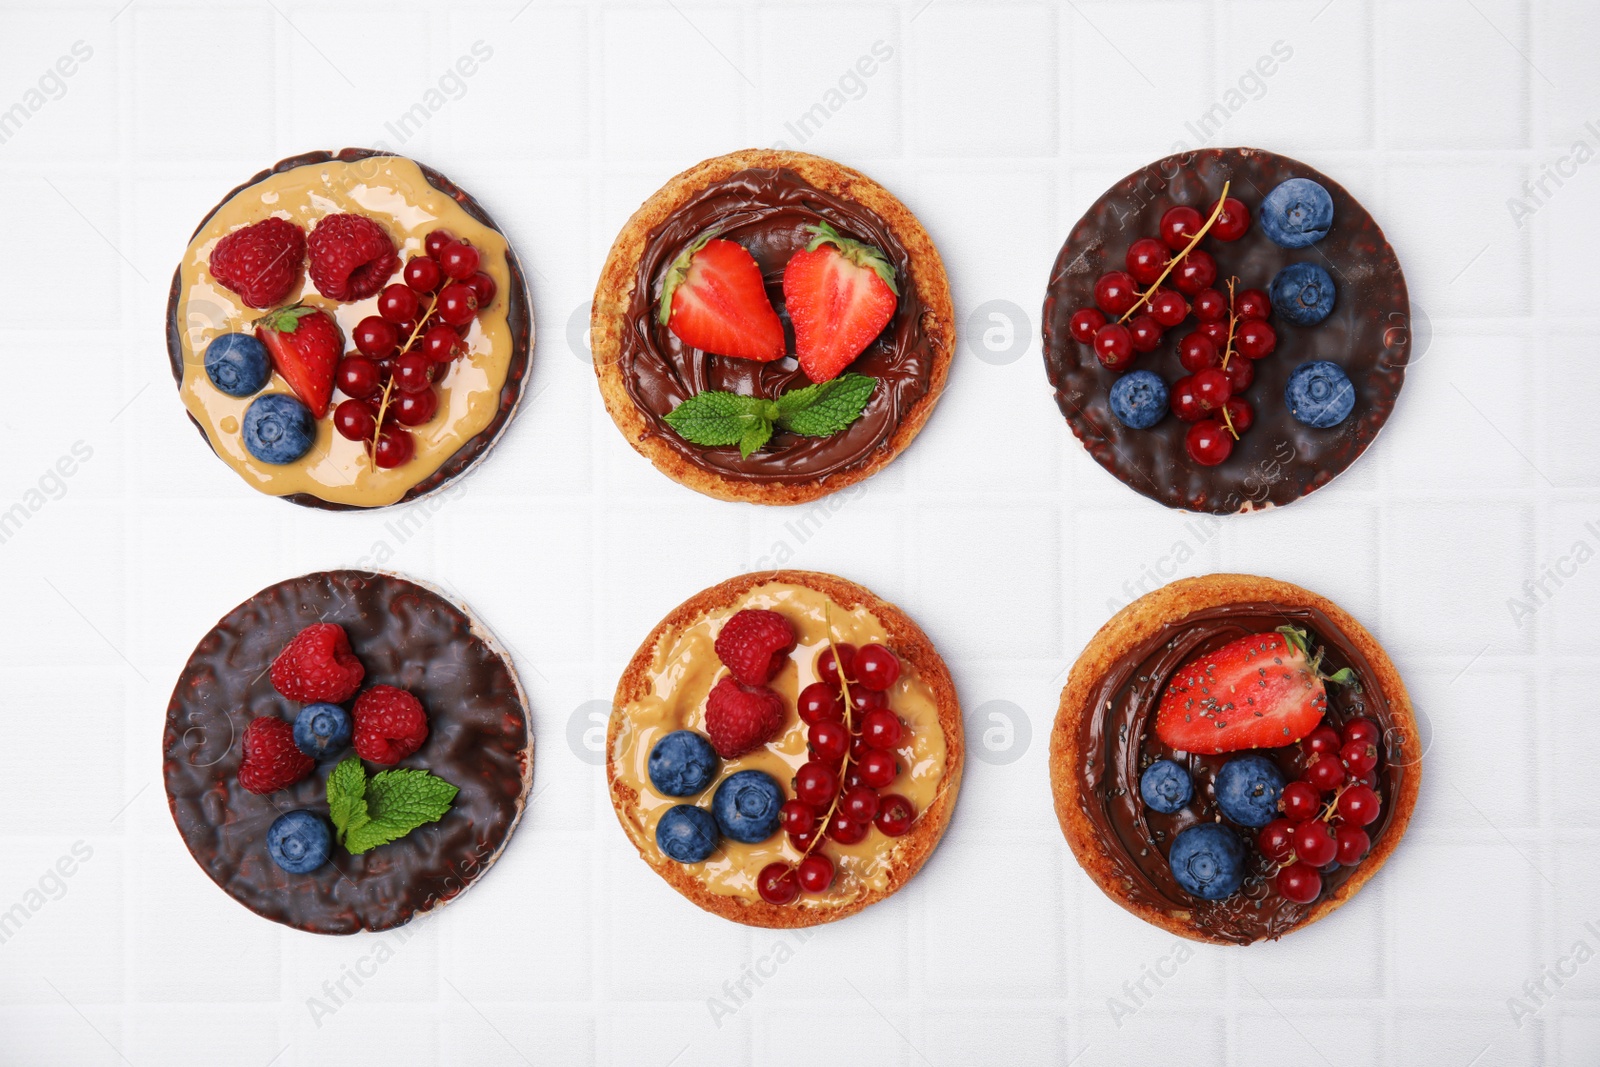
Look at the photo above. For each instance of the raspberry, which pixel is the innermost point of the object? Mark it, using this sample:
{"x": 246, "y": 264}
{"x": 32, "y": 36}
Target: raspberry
{"x": 754, "y": 645}
{"x": 272, "y": 761}
{"x": 390, "y": 725}
{"x": 260, "y": 262}
{"x": 740, "y": 718}
{"x": 318, "y": 666}
{"x": 351, "y": 257}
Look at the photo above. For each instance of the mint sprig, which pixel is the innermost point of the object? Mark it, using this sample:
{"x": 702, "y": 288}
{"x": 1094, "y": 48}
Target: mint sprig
{"x": 718, "y": 419}
{"x": 368, "y": 813}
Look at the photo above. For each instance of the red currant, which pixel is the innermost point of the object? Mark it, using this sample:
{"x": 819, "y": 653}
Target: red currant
{"x": 1351, "y": 845}
{"x": 398, "y": 303}
{"x": 1241, "y": 372}
{"x": 1232, "y": 223}
{"x": 483, "y": 285}
{"x": 829, "y": 740}
{"x": 776, "y": 883}
{"x": 879, "y": 768}
{"x": 414, "y": 409}
{"x": 1255, "y": 339}
{"x": 441, "y": 343}
{"x": 1083, "y": 324}
{"x": 830, "y": 659}
{"x": 863, "y": 700}
{"x": 1321, "y": 741}
{"x": 376, "y": 338}
{"x": 357, "y": 376}
{"x": 1116, "y": 292}
{"x": 458, "y": 304}
{"x": 858, "y": 752}
{"x": 876, "y": 667}
{"x": 413, "y": 372}
{"x": 434, "y": 243}
{"x": 1168, "y": 307}
{"x": 819, "y": 702}
{"x": 1240, "y": 414}
{"x": 1178, "y": 227}
{"x": 1208, "y": 442}
{"x": 422, "y": 274}
{"x": 1146, "y": 259}
{"x": 881, "y": 728}
{"x": 1197, "y": 352}
{"x": 1325, "y": 772}
{"x": 458, "y": 260}
{"x": 1276, "y": 840}
{"x": 1299, "y": 883}
{"x": 1145, "y": 332}
{"x": 895, "y": 815}
{"x": 1185, "y": 402}
{"x": 797, "y": 817}
{"x": 1299, "y": 802}
{"x": 1359, "y": 805}
{"x": 1215, "y": 332}
{"x": 1361, "y": 730}
{"x": 1314, "y": 843}
{"x": 802, "y": 842}
{"x": 395, "y": 447}
{"x": 844, "y": 831}
{"x": 354, "y": 420}
{"x": 1197, "y": 271}
{"x": 1253, "y": 304}
{"x": 1210, "y": 306}
{"x": 1359, "y": 757}
{"x": 859, "y": 804}
{"x": 1113, "y": 346}
{"x": 815, "y": 783}
{"x": 815, "y": 873}
{"x": 1212, "y": 386}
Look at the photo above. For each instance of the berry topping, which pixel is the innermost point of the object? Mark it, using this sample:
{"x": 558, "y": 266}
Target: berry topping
{"x": 895, "y": 815}
{"x": 878, "y": 768}
{"x": 394, "y": 448}
{"x": 1299, "y": 883}
{"x": 1208, "y": 442}
{"x": 1297, "y": 213}
{"x": 1146, "y": 260}
{"x": 797, "y": 817}
{"x": 483, "y": 287}
{"x": 1238, "y": 415}
{"x": 1258, "y": 691}
{"x": 278, "y": 428}
{"x": 1208, "y": 861}
{"x": 714, "y": 299}
{"x": 358, "y": 376}
{"x": 299, "y": 841}
{"x": 1322, "y": 741}
{"x": 1276, "y": 840}
{"x": 1240, "y": 372}
{"x": 1248, "y": 788}
{"x": 1185, "y": 402}
{"x": 435, "y": 242}
{"x": 1139, "y": 399}
{"x": 1212, "y": 388}
{"x": 844, "y": 830}
{"x": 354, "y": 420}
{"x": 322, "y": 730}
{"x": 819, "y": 702}
{"x": 415, "y": 409}
{"x": 829, "y": 741}
{"x": 682, "y": 764}
{"x": 815, "y": 873}
{"x": 1197, "y": 352}
{"x": 1085, "y": 323}
{"x": 1116, "y": 293}
{"x": 1358, "y": 757}
{"x": 1252, "y": 304}
{"x": 1303, "y": 293}
{"x": 422, "y": 274}
{"x": 1255, "y": 339}
{"x": 317, "y": 665}
{"x": 1351, "y": 845}
{"x": 1233, "y": 223}
{"x": 882, "y": 729}
{"x": 1165, "y": 787}
{"x": 1210, "y": 306}
{"x": 238, "y": 364}
{"x": 1197, "y": 271}
{"x": 741, "y": 718}
{"x": 1314, "y": 842}
{"x": 398, "y": 303}
{"x": 260, "y": 262}
{"x": 1178, "y": 227}
{"x": 272, "y": 760}
{"x": 1113, "y": 346}
{"x": 376, "y": 337}
{"x": 1215, "y": 332}
{"x": 859, "y": 804}
{"x": 390, "y": 725}
{"x": 458, "y": 304}
{"x": 413, "y": 372}
{"x": 1319, "y": 394}
{"x": 1300, "y": 801}
{"x": 754, "y": 645}
{"x": 1363, "y": 730}
{"x": 876, "y": 667}
{"x": 305, "y": 346}
{"x": 1359, "y": 805}
{"x": 747, "y": 806}
{"x": 686, "y": 833}
{"x": 840, "y": 294}
{"x": 778, "y": 884}
{"x": 831, "y": 658}
{"x": 351, "y": 256}
{"x": 1168, "y": 307}
{"x": 458, "y": 260}
{"x": 1145, "y": 333}
{"x": 815, "y": 784}
{"x": 441, "y": 343}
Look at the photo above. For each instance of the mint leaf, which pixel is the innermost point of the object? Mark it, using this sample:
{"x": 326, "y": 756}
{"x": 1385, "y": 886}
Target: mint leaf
{"x": 347, "y": 788}
{"x": 397, "y": 803}
{"x": 758, "y": 435}
{"x": 827, "y": 407}
{"x": 716, "y": 419}
{"x": 1346, "y": 676}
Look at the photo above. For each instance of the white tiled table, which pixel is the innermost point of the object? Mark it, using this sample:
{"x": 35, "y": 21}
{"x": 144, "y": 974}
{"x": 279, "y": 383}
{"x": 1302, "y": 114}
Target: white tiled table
{"x": 998, "y": 123}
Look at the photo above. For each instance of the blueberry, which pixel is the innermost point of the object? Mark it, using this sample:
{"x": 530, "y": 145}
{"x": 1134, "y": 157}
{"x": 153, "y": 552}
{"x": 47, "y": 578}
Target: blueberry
{"x": 1296, "y": 214}
{"x": 1303, "y": 293}
{"x": 1248, "y": 788}
{"x": 238, "y": 364}
{"x": 1319, "y": 394}
{"x": 746, "y": 805}
{"x": 278, "y": 428}
{"x": 1208, "y": 861}
{"x": 1139, "y": 399}
{"x": 298, "y": 841}
{"x": 682, "y": 764}
{"x": 322, "y": 730}
{"x": 1165, "y": 786}
{"x": 686, "y": 833}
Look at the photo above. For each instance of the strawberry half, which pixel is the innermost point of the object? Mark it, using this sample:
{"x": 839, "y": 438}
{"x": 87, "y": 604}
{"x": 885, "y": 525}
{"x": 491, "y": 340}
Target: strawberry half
{"x": 305, "y": 344}
{"x": 840, "y": 295}
{"x": 1261, "y": 691}
{"x": 714, "y": 299}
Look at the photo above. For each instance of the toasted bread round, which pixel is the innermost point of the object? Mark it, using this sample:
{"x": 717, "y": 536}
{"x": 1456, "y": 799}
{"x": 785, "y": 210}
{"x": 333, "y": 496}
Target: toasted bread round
{"x": 906, "y": 853}
{"x": 1133, "y": 627}
{"x": 610, "y": 320}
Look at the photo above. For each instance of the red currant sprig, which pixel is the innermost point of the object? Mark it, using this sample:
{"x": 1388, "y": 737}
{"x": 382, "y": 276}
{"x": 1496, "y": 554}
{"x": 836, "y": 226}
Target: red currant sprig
{"x": 1172, "y": 264}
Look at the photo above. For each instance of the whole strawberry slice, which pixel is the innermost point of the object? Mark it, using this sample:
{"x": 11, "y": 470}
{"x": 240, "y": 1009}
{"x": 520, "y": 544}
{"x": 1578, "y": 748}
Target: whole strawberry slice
{"x": 305, "y": 345}
{"x": 351, "y": 257}
{"x": 261, "y": 262}
{"x": 1260, "y": 691}
{"x": 714, "y": 299}
{"x": 754, "y": 645}
{"x": 389, "y": 725}
{"x": 318, "y": 666}
{"x": 271, "y": 759}
{"x": 840, "y": 295}
{"x": 741, "y": 718}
